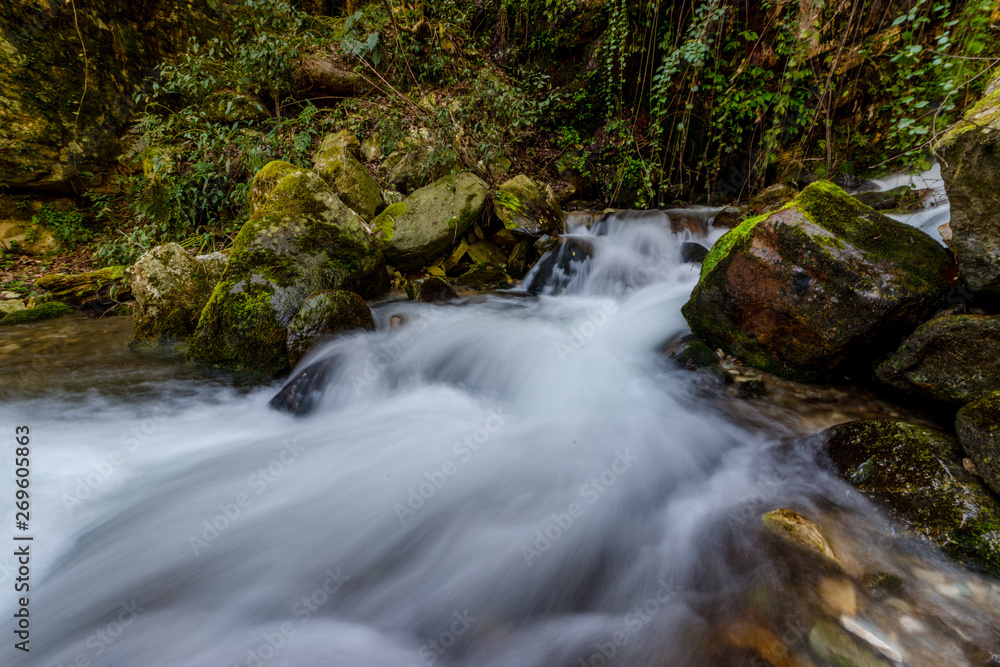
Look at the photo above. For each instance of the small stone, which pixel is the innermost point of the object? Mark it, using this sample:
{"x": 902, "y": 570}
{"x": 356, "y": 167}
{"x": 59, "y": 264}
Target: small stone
{"x": 9, "y": 295}
{"x": 11, "y": 306}
{"x": 836, "y": 647}
{"x": 838, "y": 595}
{"x": 693, "y": 253}
{"x": 799, "y": 530}
{"x": 872, "y": 636}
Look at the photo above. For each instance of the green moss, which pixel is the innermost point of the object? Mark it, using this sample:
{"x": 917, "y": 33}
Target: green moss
{"x": 738, "y": 235}
{"x": 385, "y": 222}
{"x": 46, "y": 311}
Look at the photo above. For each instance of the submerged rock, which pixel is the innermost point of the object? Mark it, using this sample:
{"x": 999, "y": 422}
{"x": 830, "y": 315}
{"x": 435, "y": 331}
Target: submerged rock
{"x": 817, "y": 288}
{"x": 978, "y": 428}
{"x": 324, "y": 314}
{"x": 95, "y": 291}
{"x": 304, "y": 391}
{"x": 418, "y": 229}
{"x": 302, "y": 239}
{"x": 337, "y": 163}
{"x": 951, "y": 359}
{"x": 915, "y": 475}
{"x": 170, "y": 288}
{"x": 971, "y": 171}
{"x": 525, "y": 206}
{"x": 799, "y": 530}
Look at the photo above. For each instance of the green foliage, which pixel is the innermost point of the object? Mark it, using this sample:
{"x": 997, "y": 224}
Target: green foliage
{"x": 69, "y": 228}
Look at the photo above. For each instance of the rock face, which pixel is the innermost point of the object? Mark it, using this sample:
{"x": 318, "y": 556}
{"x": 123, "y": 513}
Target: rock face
{"x": 93, "y": 291}
{"x": 952, "y": 359}
{"x": 527, "y": 207}
{"x": 978, "y": 428}
{"x": 422, "y": 227}
{"x": 823, "y": 281}
{"x": 971, "y": 170}
{"x": 302, "y": 239}
{"x": 323, "y": 314}
{"x": 337, "y": 163}
{"x": 170, "y": 288}
{"x": 44, "y": 142}
{"x": 430, "y": 290}
{"x": 914, "y": 474}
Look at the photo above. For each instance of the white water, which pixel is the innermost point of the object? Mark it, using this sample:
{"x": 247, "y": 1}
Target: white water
{"x": 937, "y": 209}
{"x": 565, "y": 483}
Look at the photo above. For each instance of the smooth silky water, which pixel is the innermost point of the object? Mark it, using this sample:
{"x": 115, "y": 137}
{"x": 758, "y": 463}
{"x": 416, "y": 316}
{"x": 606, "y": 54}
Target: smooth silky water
{"x": 511, "y": 479}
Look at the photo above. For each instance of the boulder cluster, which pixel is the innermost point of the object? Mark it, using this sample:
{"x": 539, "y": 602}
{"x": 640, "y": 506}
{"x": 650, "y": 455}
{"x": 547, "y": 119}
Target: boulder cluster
{"x": 820, "y": 285}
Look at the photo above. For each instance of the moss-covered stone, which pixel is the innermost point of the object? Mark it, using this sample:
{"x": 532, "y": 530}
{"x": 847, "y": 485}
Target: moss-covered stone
{"x": 264, "y": 181}
{"x": 914, "y": 473}
{"x": 772, "y": 198}
{"x": 95, "y": 290}
{"x": 419, "y": 229}
{"x": 978, "y": 428}
{"x": 902, "y": 199}
{"x": 525, "y": 206}
{"x": 971, "y": 171}
{"x": 170, "y": 288}
{"x": 336, "y": 161}
{"x": 45, "y": 311}
{"x": 301, "y": 240}
{"x": 817, "y": 288}
{"x": 324, "y": 314}
{"x": 420, "y": 166}
{"x": 951, "y": 359}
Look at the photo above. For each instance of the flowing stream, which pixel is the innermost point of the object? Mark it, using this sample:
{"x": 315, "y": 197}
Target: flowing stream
{"x": 511, "y": 479}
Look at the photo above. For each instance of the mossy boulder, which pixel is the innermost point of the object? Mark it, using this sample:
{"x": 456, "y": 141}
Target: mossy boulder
{"x": 971, "y": 171}
{"x": 422, "y": 227}
{"x": 978, "y": 428}
{"x": 46, "y": 311}
{"x": 266, "y": 179}
{"x": 170, "y": 288}
{"x": 903, "y": 198}
{"x": 94, "y": 291}
{"x": 301, "y": 240}
{"x": 524, "y": 205}
{"x": 322, "y": 315}
{"x": 818, "y": 288}
{"x": 915, "y": 474}
{"x": 772, "y": 198}
{"x": 950, "y": 359}
{"x": 57, "y": 133}
{"x": 336, "y": 161}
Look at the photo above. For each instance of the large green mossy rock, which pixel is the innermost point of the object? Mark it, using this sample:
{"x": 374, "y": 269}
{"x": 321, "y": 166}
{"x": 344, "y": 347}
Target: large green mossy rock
{"x": 971, "y": 171}
{"x": 170, "y": 288}
{"x": 301, "y": 240}
{"x": 950, "y": 359}
{"x": 61, "y": 114}
{"x": 526, "y": 206}
{"x": 94, "y": 290}
{"x": 335, "y": 161}
{"x": 322, "y": 315}
{"x": 978, "y": 428}
{"x": 915, "y": 475}
{"x": 818, "y": 288}
{"x": 417, "y": 230}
